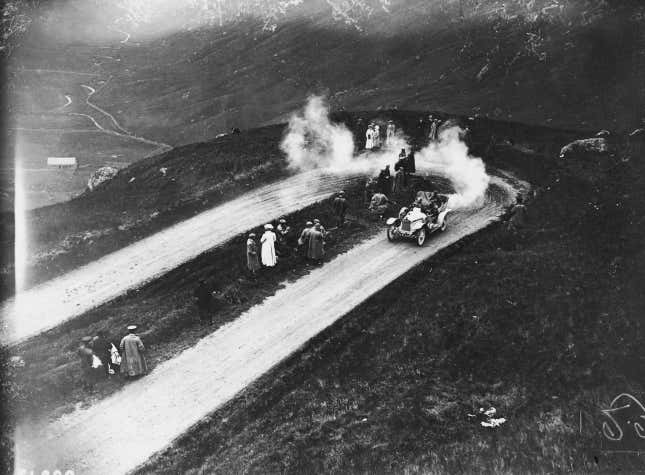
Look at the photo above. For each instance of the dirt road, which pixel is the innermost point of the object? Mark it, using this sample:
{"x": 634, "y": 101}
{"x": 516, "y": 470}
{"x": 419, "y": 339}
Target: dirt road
{"x": 121, "y": 432}
{"x": 53, "y": 302}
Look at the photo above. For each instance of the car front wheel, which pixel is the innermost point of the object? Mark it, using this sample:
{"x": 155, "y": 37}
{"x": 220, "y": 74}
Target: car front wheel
{"x": 421, "y": 237}
{"x": 391, "y": 236}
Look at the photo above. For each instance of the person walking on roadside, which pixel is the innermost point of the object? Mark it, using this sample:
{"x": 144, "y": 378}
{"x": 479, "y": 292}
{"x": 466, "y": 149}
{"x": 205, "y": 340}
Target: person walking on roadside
{"x": 89, "y": 368}
{"x": 303, "y": 240}
{"x": 204, "y": 300}
{"x": 252, "y": 255}
{"x": 102, "y": 349}
{"x": 268, "y": 240}
{"x": 133, "y": 363}
{"x": 340, "y": 208}
{"x": 316, "y": 249}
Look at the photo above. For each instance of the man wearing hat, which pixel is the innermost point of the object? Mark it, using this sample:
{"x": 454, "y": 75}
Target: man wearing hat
{"x": 340, "y": 208}
{"x": 133, "y": 362}
{"x": 303, "y": 240}
{"x": 268, "y": 239}
{"x": 252, "y": 255}
{"x": 321, "y": 228}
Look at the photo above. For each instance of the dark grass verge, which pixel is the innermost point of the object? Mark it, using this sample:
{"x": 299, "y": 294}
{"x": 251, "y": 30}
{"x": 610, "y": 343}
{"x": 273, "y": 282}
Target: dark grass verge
{"x": 50, "y": 382}
{"x": 544, "y": 324}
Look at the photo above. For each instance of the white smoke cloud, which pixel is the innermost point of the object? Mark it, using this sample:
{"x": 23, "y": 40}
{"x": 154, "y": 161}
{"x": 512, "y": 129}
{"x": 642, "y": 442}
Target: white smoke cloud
{"x": 312, "y": 141}
{"x": 449, "y": 157}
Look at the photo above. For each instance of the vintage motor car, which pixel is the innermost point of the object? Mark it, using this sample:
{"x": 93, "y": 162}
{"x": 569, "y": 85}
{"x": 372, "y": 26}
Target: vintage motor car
{"x": 419, "y": 221}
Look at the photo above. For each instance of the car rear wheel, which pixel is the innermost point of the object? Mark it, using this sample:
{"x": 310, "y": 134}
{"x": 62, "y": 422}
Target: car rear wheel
{"x": 390, "y": 233}
{"x": 421, "y": 237}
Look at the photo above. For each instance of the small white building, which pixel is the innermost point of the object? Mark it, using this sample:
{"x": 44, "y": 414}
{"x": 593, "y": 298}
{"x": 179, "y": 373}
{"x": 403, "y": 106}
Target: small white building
{"x": 62, "y": 162}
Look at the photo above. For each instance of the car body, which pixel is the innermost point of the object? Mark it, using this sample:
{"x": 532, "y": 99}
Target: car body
{"x": 415, "y": 223}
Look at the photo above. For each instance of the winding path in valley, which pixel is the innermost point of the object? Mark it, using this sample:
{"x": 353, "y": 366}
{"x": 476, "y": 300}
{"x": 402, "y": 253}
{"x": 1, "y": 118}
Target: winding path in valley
{"x": 124, "y": 430}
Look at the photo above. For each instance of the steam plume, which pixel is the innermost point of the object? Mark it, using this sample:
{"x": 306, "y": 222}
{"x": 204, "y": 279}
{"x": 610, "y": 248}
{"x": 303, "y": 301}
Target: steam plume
{"x": 312, "y": 141}
{"x": 450, "y": 158}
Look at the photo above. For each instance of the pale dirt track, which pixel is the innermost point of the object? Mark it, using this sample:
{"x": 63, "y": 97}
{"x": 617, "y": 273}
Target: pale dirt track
{"x": 70, "y": 295}
{"x": 121, "y": 432}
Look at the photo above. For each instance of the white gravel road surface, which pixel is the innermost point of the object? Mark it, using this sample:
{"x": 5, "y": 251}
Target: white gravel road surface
{"x": 122, "y": 431}
{"x": 58, "y": 300}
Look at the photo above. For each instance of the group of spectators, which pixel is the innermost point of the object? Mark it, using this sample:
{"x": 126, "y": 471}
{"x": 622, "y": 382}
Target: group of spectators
{"x": 100, "y": 358}
{"x": 375, "y": 139}
{"x": 310, "y": 243}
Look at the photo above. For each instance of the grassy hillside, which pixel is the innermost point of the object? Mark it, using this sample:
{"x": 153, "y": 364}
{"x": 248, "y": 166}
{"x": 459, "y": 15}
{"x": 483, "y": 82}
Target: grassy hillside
{"x": 545, "y": 324}
{"x": 580, "y": 68}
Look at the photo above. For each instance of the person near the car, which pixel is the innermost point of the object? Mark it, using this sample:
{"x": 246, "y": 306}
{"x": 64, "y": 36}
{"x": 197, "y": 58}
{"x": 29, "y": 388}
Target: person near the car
{"x": 378, "y": 205}
{"x": 268, "y": 239}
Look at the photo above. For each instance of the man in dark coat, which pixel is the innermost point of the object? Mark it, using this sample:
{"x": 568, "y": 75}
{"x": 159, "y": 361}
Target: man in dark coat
{"x": 340, "y": 208}
{"x": 411, "y": 166}
{"x": 204, "y": 300}
{"x": 316, "y": 249}
{"x": 303, "y": 240}
{"x": 384, "y": 180}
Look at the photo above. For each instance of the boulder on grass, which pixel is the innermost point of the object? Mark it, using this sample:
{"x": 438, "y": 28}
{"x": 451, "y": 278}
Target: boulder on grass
{"x": 100, "y": 176}
{"x": 588, "y": 159}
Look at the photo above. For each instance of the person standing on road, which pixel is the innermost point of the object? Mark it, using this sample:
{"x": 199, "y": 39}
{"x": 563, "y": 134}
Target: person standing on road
{"x": 268, "y": 239}
{"x": 203, "y": 298}
{"x": 340, "y": 208}
{"x": 133, "y": 362}
{"x": 316, "y": 249}
{"x": 252, "y": 257}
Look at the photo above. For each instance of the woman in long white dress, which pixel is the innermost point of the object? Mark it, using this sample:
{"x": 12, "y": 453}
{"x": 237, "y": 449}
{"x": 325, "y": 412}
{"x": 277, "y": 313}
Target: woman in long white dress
{"x": 268, "y": 239}
{"x": 377, "y": 135}
{"x": 369, "y": 137}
